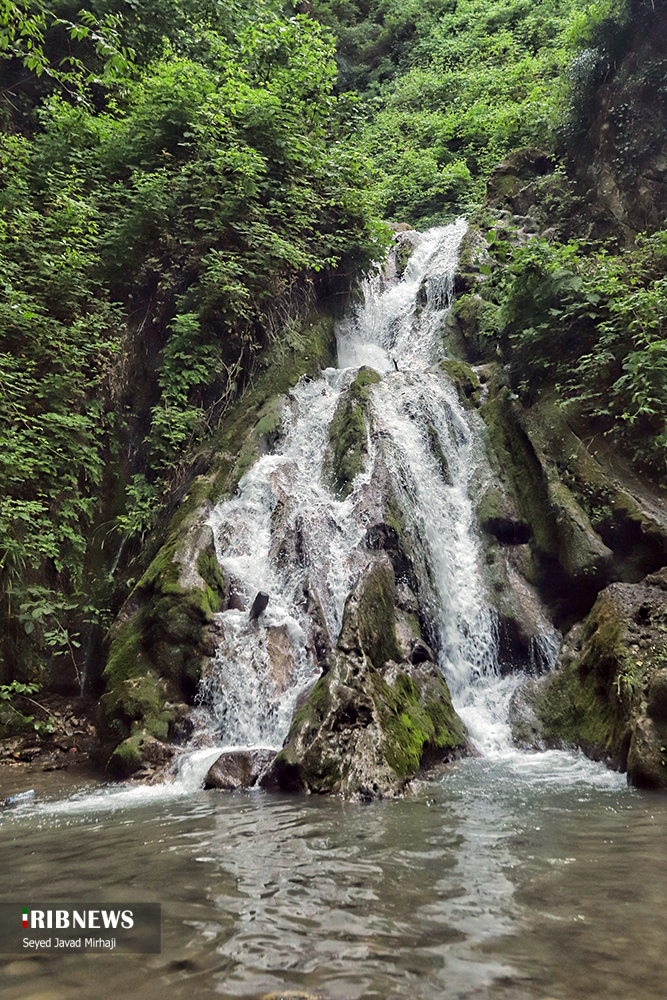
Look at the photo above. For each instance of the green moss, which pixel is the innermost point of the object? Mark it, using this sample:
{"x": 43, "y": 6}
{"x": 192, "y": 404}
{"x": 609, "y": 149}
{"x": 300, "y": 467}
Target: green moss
{"x": 260, "y": 437}
{"x": 491, "y": 506}
{"x": 471, "y": 243}
{"x": 316, "y": 771}
{"x": 595, "y": 697}
{"x": 412, "y": 621}
{"x": 157, "y": 652}
{"x": 464, "y": 379}
{"x": 377, "y": 622}
{"x": 572, "y": 710}
{"x": 347, "y": 448}
{"x": 476, "y": 321}
{"x": 311, "y": 714}
{"x": 413, "y": 719}
{"x": 126, "y": 656}
{"x": 136, "y": 703}
{"x": 366, "y": 377}
{"x": 126, "y": 758}
{"x": 209, "y": 570}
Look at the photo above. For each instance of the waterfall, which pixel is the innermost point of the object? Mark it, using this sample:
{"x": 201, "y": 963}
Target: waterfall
{"x": 287, "y": 534}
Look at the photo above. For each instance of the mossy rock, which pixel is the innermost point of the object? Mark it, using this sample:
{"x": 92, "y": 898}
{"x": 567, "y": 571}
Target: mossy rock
{"x": 371, "y": 722}
{"x": 161, "y": 639}
{"x": 138, "y": 752}
{"x": 417, "y": 718}
{"x": 465, "y": 380}
{"x": 347, "y": 448}
{"x": 606, "y": 695}
{"x": 404, "y": 252}
{"x": 497, "y": 516}
{"x": 470, "y": 325}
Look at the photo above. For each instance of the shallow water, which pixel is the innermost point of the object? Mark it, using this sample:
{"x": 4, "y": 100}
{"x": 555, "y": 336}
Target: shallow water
{"x": 519, "y": 876}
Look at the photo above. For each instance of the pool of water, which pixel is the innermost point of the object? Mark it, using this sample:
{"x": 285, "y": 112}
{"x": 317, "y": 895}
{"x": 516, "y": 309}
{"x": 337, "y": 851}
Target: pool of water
{"x": 521, "y": 876}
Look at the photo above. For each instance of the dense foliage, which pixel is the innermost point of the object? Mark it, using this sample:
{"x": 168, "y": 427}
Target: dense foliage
{"x": 451, "y": 86}
{"x": 169, "y": 203}
{"x": 589, "y": 322}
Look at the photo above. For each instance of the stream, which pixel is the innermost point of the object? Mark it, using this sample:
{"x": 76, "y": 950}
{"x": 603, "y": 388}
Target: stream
{"x": 516, "y": 876}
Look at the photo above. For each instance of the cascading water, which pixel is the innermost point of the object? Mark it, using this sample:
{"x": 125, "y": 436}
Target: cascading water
{"x": 286, "y": 533}
{"x": 283, "y": 531}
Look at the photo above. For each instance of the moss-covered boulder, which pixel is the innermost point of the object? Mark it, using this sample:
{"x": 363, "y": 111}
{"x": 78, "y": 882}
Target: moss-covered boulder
{"x": 162, "y": 638}
{"x": 373, "y": 719}
{"x": 140, "y": 756}
{"x": 347, "y": 448}
{"x": 608, "y": 695}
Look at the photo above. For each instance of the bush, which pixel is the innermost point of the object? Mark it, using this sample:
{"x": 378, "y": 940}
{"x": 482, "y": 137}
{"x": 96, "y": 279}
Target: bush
{"x": 593, "y": 323}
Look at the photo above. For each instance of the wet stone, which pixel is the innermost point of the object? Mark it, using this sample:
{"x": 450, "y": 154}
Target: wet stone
{"x": 238, "y": 769}
{"x": 421, "y": 653}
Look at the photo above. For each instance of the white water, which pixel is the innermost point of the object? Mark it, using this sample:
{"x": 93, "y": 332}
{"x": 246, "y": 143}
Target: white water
{"x": 284, "y": 529}
{"x": 389, "y": 328}
{"x": 397, "y": 331}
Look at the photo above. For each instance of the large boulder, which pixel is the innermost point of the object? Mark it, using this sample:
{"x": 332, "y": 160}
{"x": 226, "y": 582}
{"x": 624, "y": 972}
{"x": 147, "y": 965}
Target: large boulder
{"x": 608, "y": 694}
{"x": 374, "y": 719}
{"x": 238, "y": 769}
{"x": 140, "y": 756}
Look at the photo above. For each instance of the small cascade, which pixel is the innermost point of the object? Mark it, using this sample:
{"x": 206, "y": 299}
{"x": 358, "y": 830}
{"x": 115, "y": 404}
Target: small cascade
{"x": 286, "y": 533}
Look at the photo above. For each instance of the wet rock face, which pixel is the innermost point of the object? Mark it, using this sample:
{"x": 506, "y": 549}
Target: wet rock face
{"x": 620, "y": 160}
{"x": 373, "y": 719}
{"x": 238, "y": 769}
{"x": 585, "y": 520}
{"x": 608, "y": 694}
{"x": 347, "y": 448}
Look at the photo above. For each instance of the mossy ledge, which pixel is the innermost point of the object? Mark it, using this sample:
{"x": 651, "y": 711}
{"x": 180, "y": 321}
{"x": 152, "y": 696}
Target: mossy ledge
{"x": 161, "y": 638}
{"x": 373, "y": 720}
{"x": 465, "y": 380}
